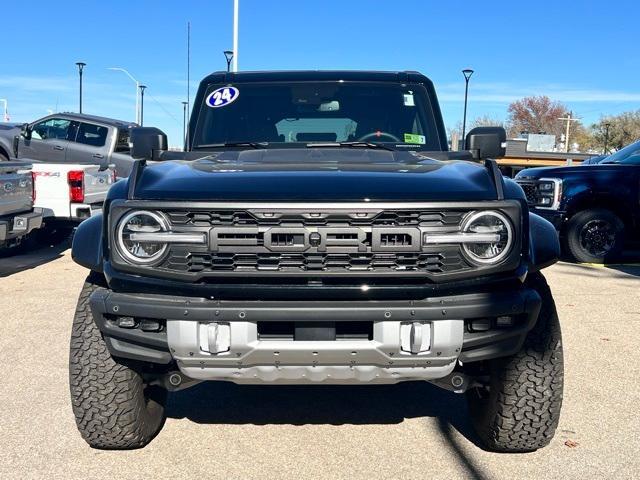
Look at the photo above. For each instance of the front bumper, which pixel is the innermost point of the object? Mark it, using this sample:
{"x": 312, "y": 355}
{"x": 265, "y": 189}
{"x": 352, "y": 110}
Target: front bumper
{"x": 16, "y": 226}
{"x": 236, "y": 351}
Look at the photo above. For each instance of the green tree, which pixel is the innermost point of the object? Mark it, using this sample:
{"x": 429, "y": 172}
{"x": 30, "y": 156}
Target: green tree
{"x": 623, "y": 130}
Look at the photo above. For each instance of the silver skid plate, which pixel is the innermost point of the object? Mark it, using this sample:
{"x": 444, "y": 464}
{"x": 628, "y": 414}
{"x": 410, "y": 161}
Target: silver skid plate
{"x": 232, "y": 351}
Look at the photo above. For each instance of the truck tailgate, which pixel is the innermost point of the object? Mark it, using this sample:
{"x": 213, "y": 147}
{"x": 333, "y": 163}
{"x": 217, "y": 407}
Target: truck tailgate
{"x": 61, "y": 187}
{"x": 96, "y": 184}
{"x": 16, "y": 187}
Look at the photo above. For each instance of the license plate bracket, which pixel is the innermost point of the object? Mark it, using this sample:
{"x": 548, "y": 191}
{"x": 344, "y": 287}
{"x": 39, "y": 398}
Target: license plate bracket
{"x": 315, "y": 331}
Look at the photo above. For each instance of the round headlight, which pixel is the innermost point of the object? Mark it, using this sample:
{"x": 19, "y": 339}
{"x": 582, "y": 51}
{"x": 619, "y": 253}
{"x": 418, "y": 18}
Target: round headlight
{"x": 495, "y": 237}
{"x": 130, "y": 237}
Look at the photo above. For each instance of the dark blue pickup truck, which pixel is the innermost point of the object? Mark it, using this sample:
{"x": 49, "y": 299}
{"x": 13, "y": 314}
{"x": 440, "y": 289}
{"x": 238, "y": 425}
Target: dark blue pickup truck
{"x": 595, "y": 208}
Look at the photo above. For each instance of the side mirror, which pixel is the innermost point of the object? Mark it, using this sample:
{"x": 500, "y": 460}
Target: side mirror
{"x": 147, "y": 142}
{"x": 487, "y": 142}
{"x": 26, "y": 131}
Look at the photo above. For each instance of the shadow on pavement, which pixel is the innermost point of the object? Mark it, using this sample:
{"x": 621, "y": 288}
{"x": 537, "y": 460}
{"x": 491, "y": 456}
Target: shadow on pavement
{"x": 614, "y": 270}
{"x": 473, "y": 470}
{"x": 227, "y": 403}
{"x": 30, "y": 255}
{"x": 628, "y": 269}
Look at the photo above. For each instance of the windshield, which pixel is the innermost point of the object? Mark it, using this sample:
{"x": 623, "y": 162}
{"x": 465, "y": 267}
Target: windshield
{"x": 295, "y": 114}
{"x": 631, "y": 150}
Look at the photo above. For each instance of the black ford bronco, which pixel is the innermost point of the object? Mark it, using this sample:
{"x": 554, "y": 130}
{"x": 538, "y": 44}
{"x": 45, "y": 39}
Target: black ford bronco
{"x": 316, "y": 231}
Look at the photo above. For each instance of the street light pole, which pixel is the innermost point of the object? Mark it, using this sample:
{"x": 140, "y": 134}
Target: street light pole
{"x": 467, "y": 72}
{"x": 142, "y": 87}
{"x": 184, "y": 122}
{"x": 235, "y": 35}
{"x": 137, "y": 89}
{"x": 81, "y": 66}
{"x": 607, "y": 126}
{"x": 228, "y": 55}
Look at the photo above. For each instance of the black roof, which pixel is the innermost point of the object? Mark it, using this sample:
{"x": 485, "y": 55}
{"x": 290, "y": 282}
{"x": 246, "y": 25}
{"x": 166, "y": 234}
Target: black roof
{"x": 94, "y": 118}
{"x": 321, "y": 75}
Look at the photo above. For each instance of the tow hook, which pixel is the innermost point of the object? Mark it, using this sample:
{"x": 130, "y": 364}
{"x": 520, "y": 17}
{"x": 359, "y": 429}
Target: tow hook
{"x": 456, "y": 382}
{"x": 175, "y": 381}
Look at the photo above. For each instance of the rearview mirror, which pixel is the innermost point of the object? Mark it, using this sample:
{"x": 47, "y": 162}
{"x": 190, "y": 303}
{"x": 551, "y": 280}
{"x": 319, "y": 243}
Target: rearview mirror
{"x": 147, "y": 142}
{"x": 487, "y": 142}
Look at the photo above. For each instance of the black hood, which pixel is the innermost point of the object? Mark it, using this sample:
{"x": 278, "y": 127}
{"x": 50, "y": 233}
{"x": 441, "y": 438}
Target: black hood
{"x": 561, "y": 172}
{"x": 315, "y": 174}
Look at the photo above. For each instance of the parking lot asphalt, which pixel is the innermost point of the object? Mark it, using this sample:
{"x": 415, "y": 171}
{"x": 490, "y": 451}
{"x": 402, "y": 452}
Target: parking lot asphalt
{"x": 402, "y": 431}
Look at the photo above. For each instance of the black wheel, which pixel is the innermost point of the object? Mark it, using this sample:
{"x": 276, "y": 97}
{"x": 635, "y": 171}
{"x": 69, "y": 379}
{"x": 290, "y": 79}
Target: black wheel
{"x": 3, "y": 157}
{"x": 113, "y": 407}
{"x": 594, "y": 236}
{"x": 518, "y": 409}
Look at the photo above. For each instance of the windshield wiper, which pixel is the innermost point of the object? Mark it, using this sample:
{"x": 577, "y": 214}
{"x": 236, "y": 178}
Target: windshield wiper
{"x": 231, "y": 144}
{"x": 350, "y": 145}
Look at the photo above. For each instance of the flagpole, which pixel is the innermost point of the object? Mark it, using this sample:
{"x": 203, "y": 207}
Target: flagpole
{"x": 235, "y": 36}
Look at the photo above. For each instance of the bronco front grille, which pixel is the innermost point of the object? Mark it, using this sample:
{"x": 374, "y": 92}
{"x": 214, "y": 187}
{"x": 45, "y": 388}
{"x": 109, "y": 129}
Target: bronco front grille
{"x": 316, "y": 240}
{"x": 315, "y": 262}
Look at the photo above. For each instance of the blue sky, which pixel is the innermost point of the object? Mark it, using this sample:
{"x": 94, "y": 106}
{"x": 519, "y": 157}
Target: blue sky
{"x": 581, "y": 53}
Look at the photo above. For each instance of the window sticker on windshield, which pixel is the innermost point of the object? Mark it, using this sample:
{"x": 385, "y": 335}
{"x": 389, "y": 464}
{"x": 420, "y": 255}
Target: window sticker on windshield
{"x": 413, "y": 138}
{"x": 408, "y": 100}
{"x": 222, "y": 97}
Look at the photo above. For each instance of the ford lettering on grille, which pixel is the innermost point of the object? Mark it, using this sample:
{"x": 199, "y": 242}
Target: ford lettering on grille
{"x": 321, "y": 239}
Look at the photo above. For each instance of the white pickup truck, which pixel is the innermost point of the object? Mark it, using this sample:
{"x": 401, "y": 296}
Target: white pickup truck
{"x": 18, "y": 217}
{"x": 70, "y": 192}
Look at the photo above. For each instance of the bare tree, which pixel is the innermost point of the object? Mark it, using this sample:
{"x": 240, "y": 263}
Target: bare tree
{"x": 482, "y": 121}
{"x": 486, "y": 121}
{"x": 536, "y": 115}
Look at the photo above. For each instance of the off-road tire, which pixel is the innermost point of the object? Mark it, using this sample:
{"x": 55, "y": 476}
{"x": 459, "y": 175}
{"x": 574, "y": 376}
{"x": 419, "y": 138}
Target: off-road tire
{"x": 575, "y": 226}
{"x": 112, "y": 406}
{"x": 520, "y": 410}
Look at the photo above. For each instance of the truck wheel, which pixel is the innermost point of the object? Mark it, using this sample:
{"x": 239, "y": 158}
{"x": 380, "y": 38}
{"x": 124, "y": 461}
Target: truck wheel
{"x": 594, "y": 236}
{"x": 113, "y": 407}
{"x": 518, "y": 409}
{"x": 3, "y": 157}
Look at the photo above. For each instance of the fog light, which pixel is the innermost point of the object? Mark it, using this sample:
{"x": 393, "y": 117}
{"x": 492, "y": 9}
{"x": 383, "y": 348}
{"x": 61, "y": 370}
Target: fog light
{"x": 149, "y": 325}
{"x": 126, "y": 322}
{"x": 480, "y": 325}
{"x": 505, "y": 321}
